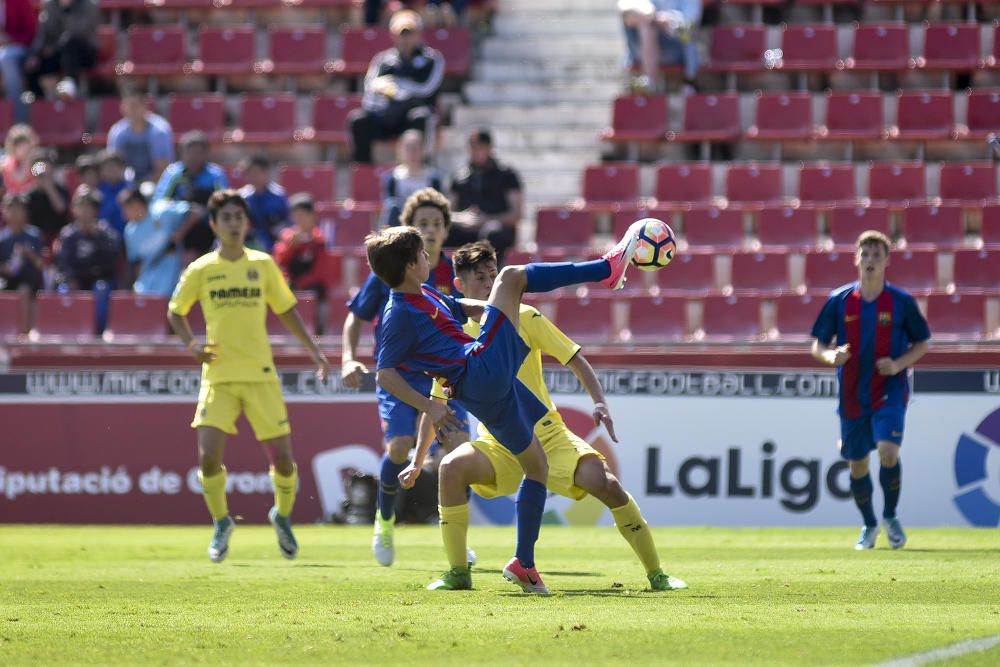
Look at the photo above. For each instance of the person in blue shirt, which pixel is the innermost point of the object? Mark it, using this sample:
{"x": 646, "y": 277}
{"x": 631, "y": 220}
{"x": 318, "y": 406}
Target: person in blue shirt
{"x": 267, "y": 200}
{"x": 111, "y": 174}
{"x": 21, "y": 256}
{"x": 421, "y": 332}
{"x": 879, "y": 333}
{"x": 144, "y": 138}
{"x": 154, "y": 240}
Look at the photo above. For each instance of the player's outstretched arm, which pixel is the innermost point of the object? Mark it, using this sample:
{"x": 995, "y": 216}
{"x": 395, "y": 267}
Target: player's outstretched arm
{"x": 293, "y": 322}
{"x": 831, "y": 356}
{"x": 441, "y": 416}
{"x": 588, "y": 378}
{"x": 179, "y": 323}
{"x": 351, "y": 370}
{"x": 425, "y": 437}
{"x": 473, "y": 307}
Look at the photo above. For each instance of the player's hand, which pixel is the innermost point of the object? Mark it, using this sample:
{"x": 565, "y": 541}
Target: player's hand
{"x": 443, "y": 417}
{"x": 351, "y": 373}
{"x": 204, "y": 354}
{"x": 887, "y": 366}
{"x": 603, "y": 416}
{"x": 322, "y": 366}
{"x": 408, "y": 477}
{"x": 840, "y": 355}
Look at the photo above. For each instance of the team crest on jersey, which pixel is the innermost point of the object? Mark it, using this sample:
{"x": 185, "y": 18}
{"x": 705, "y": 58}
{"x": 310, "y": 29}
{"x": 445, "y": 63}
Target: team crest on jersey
{"x": 252, "y": 274}
{"x": 885, "y": 319}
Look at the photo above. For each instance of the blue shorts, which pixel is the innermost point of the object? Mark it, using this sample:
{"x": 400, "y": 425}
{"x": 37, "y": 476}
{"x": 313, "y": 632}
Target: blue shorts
{"x": 490, "y": 389}
{"x": 400, "y": 418}
{"x": 859, "y": 436}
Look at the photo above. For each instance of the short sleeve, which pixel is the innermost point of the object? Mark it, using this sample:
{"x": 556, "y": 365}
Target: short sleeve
{"x": 279, "y": 296}
{"x": 162, "y": 144}
{"x": 370, "y": 299}
{"x": 186, "y": 292}
{"x": 826, "y": 324}
{"x": 545, "y": 336}
{"x": 511, "y": 180}
{"x": 914, "y": 322}
{"x": 397, "y": 338}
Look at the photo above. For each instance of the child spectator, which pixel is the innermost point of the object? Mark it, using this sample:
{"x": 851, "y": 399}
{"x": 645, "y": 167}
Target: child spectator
{"x": 16, "y": 164}
{"x": 267, "y": 201}
{"x": 301, "y": 254}
{"x": 111, "y": 168}
{"x": 154, "y": 240}
{"x": 48, "y": 200}
{"x": 21, "y": 249}
{"x": 87, "y": 172}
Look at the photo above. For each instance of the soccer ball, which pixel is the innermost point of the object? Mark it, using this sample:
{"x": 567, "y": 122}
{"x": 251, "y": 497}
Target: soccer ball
{"x": 656, "y": 246}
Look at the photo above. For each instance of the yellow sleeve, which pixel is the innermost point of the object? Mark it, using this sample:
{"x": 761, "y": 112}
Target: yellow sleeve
{"x": 279, "y": 296}
{"x": 437, "y": 390}
{"x": 540, "y": 334}
{"x": 186, "y": 292}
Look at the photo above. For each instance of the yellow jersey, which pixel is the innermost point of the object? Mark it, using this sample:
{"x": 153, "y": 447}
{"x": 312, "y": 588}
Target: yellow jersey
{"x": 541, "y": 335}
{"x": 234, "y": 296}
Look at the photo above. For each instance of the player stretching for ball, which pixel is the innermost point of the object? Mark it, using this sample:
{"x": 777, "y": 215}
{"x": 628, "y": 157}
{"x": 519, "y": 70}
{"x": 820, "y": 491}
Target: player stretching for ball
{"x": 879, "y": 334}
{"x": 422, "y": 331}
{"x": 575, "y": 468}
{"x": 428, "y": 211}
{"x": 235, "y": 285}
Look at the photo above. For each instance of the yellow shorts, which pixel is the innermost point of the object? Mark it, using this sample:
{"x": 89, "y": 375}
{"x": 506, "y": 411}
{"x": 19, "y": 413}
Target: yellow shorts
{"x": 563, "y": 449}
{"x": 220, "y": 405}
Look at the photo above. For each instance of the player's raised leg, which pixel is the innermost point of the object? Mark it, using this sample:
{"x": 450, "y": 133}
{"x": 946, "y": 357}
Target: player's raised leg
{"x": 285, "y": 478}
{"x": 890, "y": 477}
{"x": 212, "y": 476}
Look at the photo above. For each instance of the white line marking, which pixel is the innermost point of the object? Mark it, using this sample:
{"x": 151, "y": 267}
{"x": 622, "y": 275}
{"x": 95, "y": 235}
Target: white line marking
{"x": 934, "y": 655}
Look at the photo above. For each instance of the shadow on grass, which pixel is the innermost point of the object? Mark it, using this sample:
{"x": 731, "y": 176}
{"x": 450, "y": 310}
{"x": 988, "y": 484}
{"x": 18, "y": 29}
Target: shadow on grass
{"x": 548, "y": 573}
{"x": 945, "y": 552}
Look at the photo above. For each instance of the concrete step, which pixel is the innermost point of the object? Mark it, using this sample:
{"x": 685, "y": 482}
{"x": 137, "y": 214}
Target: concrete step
{"x": 529, "y": 139}
{"x": 568, "y": 6}
{"x": 583, "y": 114}
{"x": 546, "y": 25}
{"x": 566, "y": 48}
{"x": 528, "y": 71}
{"x": 571, "y": 161}
{"x": 522, "y": 93}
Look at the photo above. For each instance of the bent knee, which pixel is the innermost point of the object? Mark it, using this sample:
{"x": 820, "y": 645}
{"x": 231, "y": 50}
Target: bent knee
{"x": 398, "y": 448}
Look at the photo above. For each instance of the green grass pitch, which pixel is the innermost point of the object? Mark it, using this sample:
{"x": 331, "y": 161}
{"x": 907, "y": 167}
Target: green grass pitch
{"x": 149, "y": 595}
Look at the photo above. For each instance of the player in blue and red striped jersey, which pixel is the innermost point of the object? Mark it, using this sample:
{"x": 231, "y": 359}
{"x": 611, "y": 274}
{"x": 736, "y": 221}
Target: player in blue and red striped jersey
{"x": 880, "y": 333}
{"x": 428, "y": 211}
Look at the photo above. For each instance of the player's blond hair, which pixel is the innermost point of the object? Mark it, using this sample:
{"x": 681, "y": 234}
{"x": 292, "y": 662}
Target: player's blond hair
{"x": 391, "y": 250}
{"x": 872, "y": 237}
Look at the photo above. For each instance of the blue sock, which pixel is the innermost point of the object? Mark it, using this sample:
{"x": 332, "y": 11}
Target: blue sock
{"x": 891, "y": 479}
{"x": 548, "y": 276}
{"x": 388, "y": 485}
{"x": 862, "y": 489}
{"x": 530, "y": 506}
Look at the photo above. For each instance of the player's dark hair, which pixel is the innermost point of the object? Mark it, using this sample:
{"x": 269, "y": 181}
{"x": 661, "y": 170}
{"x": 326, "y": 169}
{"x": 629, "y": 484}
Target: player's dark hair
{"x": 391, "y": 250}
{"x": 259, "y": 160}
{"x": 471, "y": 255}
{"x": 222, "y": 198}
{"x": 132, "y": 196}
{"x": 873, "y": 237}
{"x": 425, "y": 197}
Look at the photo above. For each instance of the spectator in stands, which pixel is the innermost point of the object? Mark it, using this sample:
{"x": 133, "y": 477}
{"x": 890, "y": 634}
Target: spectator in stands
{"x": 65, "y": 45}
{"x": 301, "y": 254}
{"x": 17, "y": 32}
{"x": 145, "y": 139}
{"x": 267, "y": 201}
{"x": 486, "y": 197}
{"x": 193, "y": 179}
{"x": 47, "y": 198}
{"x": 88, "y": 252}
{"x": 154, "y": 238}
{"x": 400, "y": 88}
{"x": 21, "y": 252}
{"x": 19, "y": 145}
{"x": 661, "y": 32}
{"x": 410, "y": 175}
{"x": 111, "y": 166}
{"x": 87, "y": 172}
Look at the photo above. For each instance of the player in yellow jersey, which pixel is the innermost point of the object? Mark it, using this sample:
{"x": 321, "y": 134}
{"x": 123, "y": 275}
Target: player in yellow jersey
{"x": 235, "y": 286}
{"x": 575, "y": 468}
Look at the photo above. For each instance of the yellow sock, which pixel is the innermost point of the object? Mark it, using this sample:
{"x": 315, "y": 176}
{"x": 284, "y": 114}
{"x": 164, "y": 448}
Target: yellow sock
{"x": 635, "y": 530}
{"x": 284, "y": 490}
{"x": 454, "y": 528}
{"x": 214, "y": 490}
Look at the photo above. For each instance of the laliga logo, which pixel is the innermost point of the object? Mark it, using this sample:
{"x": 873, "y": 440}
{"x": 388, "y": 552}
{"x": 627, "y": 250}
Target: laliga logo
{"x": 977, "y": 473}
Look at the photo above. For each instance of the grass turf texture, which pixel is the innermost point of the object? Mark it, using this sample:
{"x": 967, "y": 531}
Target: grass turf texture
{"x": 127, "y": 595}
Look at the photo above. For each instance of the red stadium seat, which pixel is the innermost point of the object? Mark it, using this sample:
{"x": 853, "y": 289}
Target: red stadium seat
{"x": 585, "y": 318}
{"x": 977, "y": 270}
{"x": 138, "y": 315}
{"x": 234, "y": 174}
{"x": 782, "y": 117}
{"x": 330, "y": 117}
{"x": 10, "y": 314}
{"x": 897, "y": 182}
{"x": 923, "y": 115}
{"x": 933, "y": 226}
{"x": 795, "y": 314}
{"x": 714, "y": 228}
{"x": 754, "y": 184}
{"x": 880, "y": 47}
{"x": 983, "y": 114}
{"x": 335, "y": 273}
{"x": 967, "y": 183}
{"x": 828, "y": 270}
{"x": 710, "y": 117}
{"x": 847, "y": 223}
{"x": 787, "y": 227}
{"x": 226, "y": 50}
{"x": 319, "y": 180}
{"x": 731, "y": 317}
{"x": 914, "y": 270}
{"x": 357, "y": 48}
{"x": 58, "y": 122}
{"x": 809, "y": 48}
{"x": 198, "y": 112}
{"x": 70, "y": 314}
{"x": 366, "y": 184}
{"x": 824, "y": 185}
{"x": 611, "y": 185}
{"x": 108, "y": 113}
{"x": 755, "y": 272}
{"x": 737, "y": 48}
{"x": 455, "y": 44}
{"x": 853, "y": 116}
{"x": 154, "y": 50}
{"x": 563, "y": 228}
{"x": 688, "y": 272}
{"x": 956, "y": 315}
{"x": 296, "y": 50}
{"x": 623, "y": 218}
{"x": 991, "y": 226}
{"x": 951, "y": 46}
{"x": 266, "y": 118}
{"x": 6, "y": 115}
{"x": 656, "y": 318}
{"x": 344, "y": 228}
{"x": 638, "y": 118}
{"x": 683, "y": 184}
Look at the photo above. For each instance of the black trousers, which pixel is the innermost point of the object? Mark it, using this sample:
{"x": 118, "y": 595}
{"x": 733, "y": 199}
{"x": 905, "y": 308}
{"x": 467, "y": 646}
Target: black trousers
{"x": 503, "y": 237}
{"x": 368, "y": 126}
{"x": 68, "y": 60}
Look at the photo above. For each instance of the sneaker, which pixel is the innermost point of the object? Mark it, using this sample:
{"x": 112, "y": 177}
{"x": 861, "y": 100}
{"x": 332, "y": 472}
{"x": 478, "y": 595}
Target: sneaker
{"x": 219, "y": 546}
{"x": 894, "y": 531}
{"x": 382, "y": 547}
{"x": 471, "y": 557}
{"x": 526, "y": 577}
{"x": 455, "y": 579}
{"x": 661, "y": 581}
{"x": 286, "y": 538}
{"x": 866, "y": 540}
{"x": 621, "y": 256}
